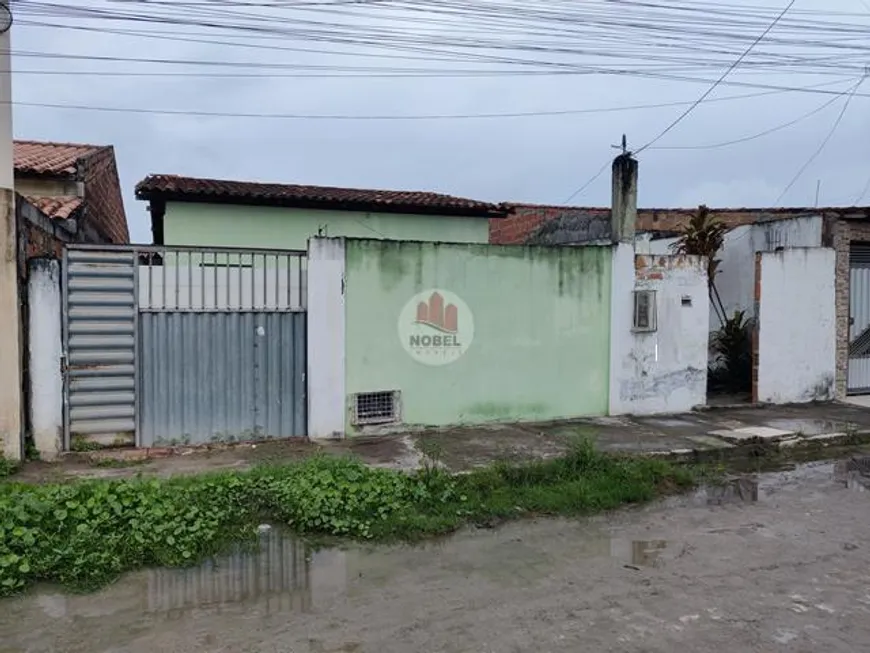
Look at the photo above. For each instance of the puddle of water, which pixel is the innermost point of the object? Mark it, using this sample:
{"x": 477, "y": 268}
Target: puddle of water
{"x": 743, "y": 489}
{"x": 281, "y": 575}
{"x": 854, "y": 473}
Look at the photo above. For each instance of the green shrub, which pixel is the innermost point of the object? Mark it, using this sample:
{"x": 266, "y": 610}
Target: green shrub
{"x": 84, "y": 534}
{"x": 7, "y": 467}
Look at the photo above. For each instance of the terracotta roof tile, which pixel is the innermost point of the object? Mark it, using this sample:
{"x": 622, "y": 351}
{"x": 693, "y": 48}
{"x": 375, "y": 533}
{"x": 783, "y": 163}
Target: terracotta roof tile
{"x": 46, "y": 158}
{"x": 291, "y": 195}
{"x": 59, "y": 208}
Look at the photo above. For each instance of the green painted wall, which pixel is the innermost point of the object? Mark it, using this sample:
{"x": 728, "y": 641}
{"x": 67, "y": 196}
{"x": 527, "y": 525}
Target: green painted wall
{"x": 541, "y": 342}
{"x": 223, "y": 225}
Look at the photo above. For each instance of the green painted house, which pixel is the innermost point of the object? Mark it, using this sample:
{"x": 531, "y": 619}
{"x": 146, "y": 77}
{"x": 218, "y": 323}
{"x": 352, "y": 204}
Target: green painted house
{"x": 210, "y": 212}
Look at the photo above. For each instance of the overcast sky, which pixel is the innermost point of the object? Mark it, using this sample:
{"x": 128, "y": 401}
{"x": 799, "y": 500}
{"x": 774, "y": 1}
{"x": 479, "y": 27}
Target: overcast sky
{"x": 542, "y": 159}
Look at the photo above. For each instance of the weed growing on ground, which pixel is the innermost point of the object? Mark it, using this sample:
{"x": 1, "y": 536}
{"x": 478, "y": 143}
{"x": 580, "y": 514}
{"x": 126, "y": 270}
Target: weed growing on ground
{"x": 7, "y": 467}
{"x": 80, "y": 443}
{"x": 86, "y": 533}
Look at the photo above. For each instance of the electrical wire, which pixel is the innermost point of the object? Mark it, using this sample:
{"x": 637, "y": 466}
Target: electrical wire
{"x": 588, "y": 183}
{"x": 728, "y": 71}
{"x": 822, "y": 145}
{"x": 395, "y": 117}
{"x": 766, "y": 132}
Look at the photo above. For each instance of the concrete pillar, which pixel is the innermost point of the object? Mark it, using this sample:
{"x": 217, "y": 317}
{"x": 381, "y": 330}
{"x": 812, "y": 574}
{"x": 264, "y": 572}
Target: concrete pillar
{"x": 623, "y": 212}
{"x": 326, "y": 338}
{"x": 44, "y": 356}
{"x": 10, "y": 315}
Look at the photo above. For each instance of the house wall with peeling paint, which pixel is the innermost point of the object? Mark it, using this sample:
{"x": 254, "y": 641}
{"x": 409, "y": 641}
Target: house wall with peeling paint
{"x": 663, "y": 371}
{"x": 528, "y": 339}
{"x": 735, "y": 279}
{"x": 795, "y": 357}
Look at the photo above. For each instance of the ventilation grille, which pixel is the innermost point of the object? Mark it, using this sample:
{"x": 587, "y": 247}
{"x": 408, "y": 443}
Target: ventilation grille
{"x": 644, "y": 311}
{"x": 376, "y": 407}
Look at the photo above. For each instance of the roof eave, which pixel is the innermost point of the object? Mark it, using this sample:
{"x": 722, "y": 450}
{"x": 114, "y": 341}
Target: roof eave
{"x": 47, "y": 174}
{"x": 480, "y": 211}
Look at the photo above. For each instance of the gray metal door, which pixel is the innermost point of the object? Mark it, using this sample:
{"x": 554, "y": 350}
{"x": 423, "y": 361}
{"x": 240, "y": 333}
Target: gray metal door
{"x": 222, "y": 346}
{"x": 859, "y": 323}
{"x": 221, "y": 376}
{"x": 99, "y": 325}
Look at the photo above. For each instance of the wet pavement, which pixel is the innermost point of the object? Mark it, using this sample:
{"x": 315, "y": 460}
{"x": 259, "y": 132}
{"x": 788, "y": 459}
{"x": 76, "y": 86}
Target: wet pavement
{"x": 764, "y": 562}
{"x": 713, "y": 433}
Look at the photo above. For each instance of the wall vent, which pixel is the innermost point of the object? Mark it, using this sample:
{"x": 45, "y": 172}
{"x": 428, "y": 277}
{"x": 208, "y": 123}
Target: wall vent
{"x": 381, "y": 407}
{"x": 644, "y": 320}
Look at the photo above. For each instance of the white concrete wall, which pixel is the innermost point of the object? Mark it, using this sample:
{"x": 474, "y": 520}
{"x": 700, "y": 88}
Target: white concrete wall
{"x": 326, "y": 338}
{"x": 664, "y": 371}
{"x": 797, "y": 326}
{"x": 44, "y": 356}
{"x": 736, "y": 279}
{"x": 646, "y": 244}
{"x": 621, "y": 307}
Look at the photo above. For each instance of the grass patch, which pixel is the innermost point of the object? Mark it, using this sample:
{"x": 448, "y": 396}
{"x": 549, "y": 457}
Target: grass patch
{"x": 84, "y": 534}
{"x": 7, "y": 467}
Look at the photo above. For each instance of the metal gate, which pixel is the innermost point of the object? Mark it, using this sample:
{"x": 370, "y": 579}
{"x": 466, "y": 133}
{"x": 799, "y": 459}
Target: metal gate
{"x": 99, "y": 333}
{"x": 171, "y": 345}
{"x": 859, "y": 319}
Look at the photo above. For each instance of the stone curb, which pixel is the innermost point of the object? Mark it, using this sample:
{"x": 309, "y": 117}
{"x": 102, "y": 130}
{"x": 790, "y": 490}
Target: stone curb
{"x": 750, "y": 448}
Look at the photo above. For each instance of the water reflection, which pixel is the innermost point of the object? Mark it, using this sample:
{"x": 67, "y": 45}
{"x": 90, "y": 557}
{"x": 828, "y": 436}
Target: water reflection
{"x": 281, "y": 574}
{"x": 277, "y": 575}
{"x": 735, "y": 490}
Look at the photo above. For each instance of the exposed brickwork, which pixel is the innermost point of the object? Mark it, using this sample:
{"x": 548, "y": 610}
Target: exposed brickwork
{"x": 755, "y": 328}
{"x": 518, "y": 226}
{"x": 104, "y": 206}
{"x": 74, "y": 181}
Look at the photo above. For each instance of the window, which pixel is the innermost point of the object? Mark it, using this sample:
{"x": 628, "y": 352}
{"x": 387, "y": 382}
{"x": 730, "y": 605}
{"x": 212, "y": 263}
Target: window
{"x": 644, "y": 311}
{"x": 376, "y": 407}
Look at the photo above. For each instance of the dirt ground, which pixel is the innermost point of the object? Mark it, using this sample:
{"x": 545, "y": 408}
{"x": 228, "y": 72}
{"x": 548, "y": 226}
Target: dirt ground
{"x": 776, "y": 562}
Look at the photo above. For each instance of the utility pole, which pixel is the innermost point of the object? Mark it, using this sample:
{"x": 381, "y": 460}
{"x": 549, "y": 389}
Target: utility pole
{"x": 10, "y": 315}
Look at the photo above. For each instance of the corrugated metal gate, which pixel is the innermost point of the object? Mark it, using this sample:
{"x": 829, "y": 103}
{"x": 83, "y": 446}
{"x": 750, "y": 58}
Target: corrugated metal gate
{"x": 184, "y": 345}
{"x": 99, "y": 331}
{"x": 859, "y": 319}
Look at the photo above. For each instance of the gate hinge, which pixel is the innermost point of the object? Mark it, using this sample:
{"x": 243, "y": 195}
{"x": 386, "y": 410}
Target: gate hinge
{"x": 63, "y": 363}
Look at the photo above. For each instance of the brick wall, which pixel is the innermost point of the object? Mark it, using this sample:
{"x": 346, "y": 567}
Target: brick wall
{"x": 517, "y": 227}
{"x": 104, "y": 206}
{"x": 755, "y": 327}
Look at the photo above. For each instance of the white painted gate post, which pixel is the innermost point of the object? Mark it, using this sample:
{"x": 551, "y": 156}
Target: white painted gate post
{"x": 326, "y": 338}
{"x": 44, "y": 356}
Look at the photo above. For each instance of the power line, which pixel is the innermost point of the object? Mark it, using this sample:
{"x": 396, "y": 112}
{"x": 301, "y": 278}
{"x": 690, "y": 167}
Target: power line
{"x": 745, "y": 139}
{"x": 720, "y": 80}
{"x": 590, "y": 181}
{"x": 352, "y": 117}
{"x": 823, "y": 143}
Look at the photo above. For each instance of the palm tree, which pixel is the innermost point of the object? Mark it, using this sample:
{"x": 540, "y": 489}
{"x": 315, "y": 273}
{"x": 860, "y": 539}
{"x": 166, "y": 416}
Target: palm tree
{"x": 703, "y": 235}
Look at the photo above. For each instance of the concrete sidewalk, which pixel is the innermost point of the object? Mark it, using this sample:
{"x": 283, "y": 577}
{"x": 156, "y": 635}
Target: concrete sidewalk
{"x": 717, "y": 433}
{"x": 706, "y": 434}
